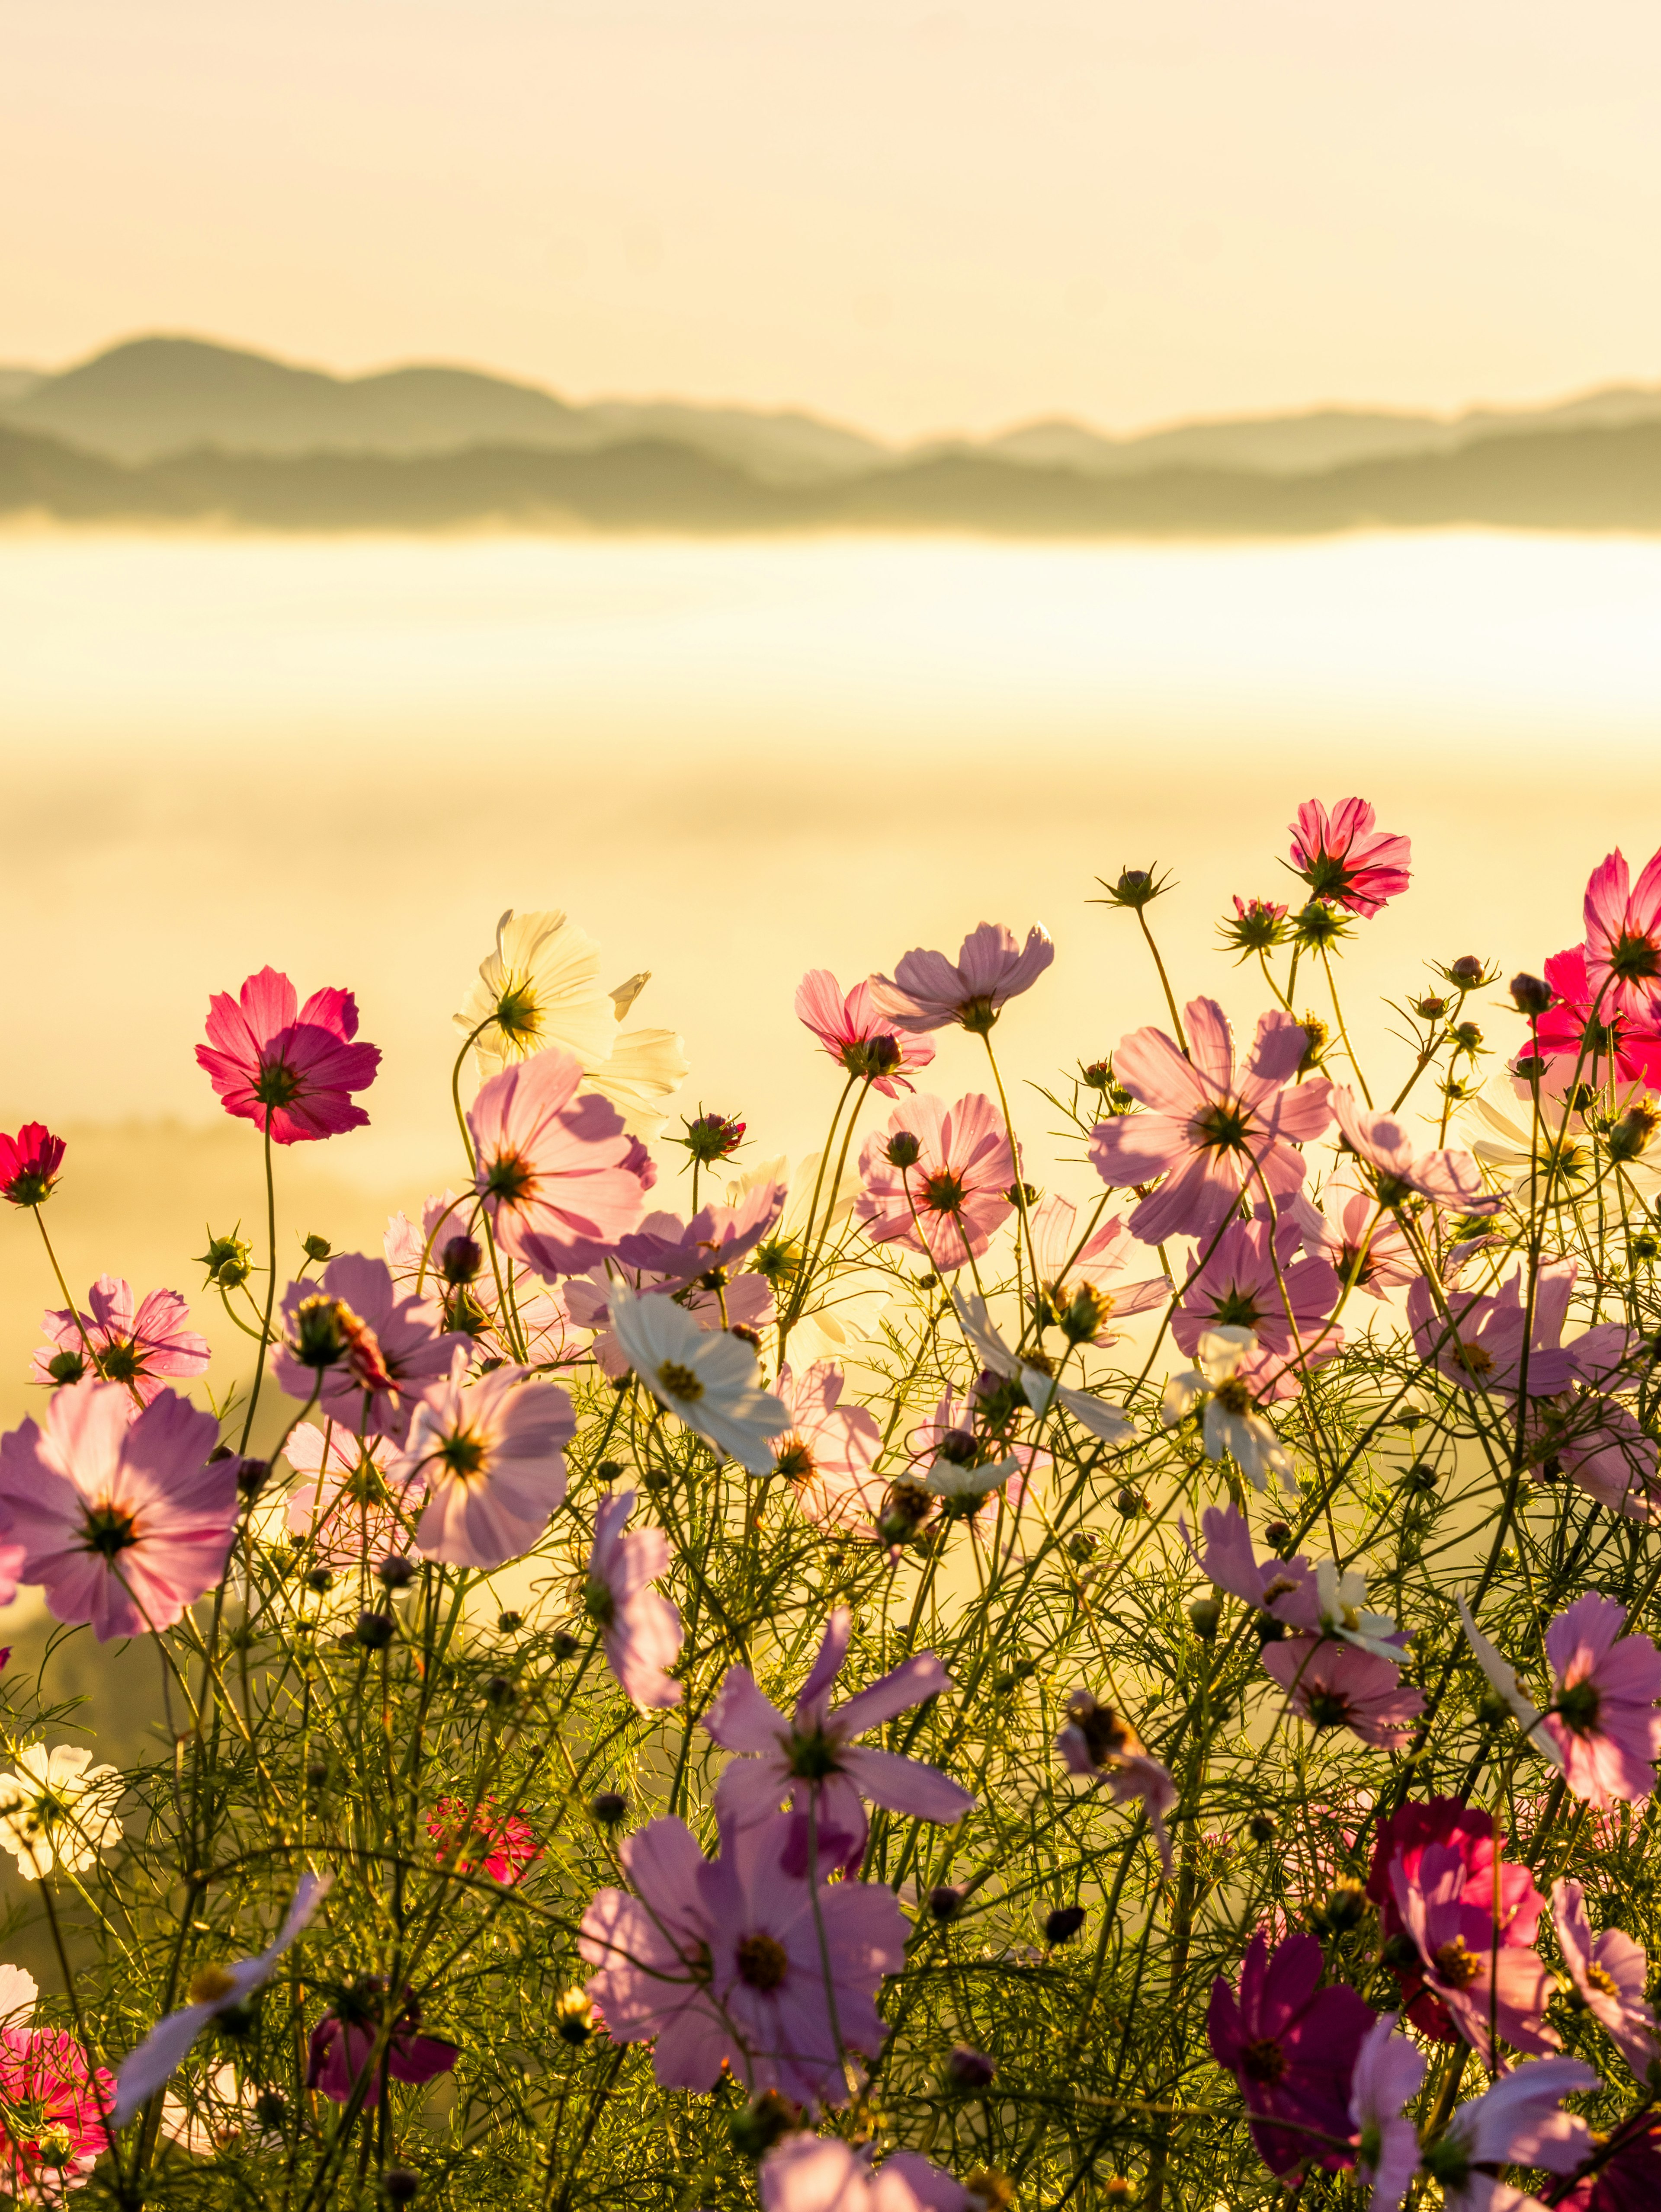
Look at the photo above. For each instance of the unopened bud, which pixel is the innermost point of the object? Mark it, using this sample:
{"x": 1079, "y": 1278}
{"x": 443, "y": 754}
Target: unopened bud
{"x": 1532, "y": 993}
{"x": 396, "y": 1573}
{"x": 1431, "y": 1008}
{"x": 969, "y": 2069}
{"x": 1467, "y": 971}
{"x": 761, "y": 2124}
{"x": 398, "y": 2185}
{"x": 609, "y": 1806}
{"x": 901, "y": 1149}
{"x": 944, "y": 1902}
{"x": 460, "y": 1260}
{"x": 1205, "y": 1615}
{"x": 1062, "y": 1925}
{"x": 316, "y": 1247}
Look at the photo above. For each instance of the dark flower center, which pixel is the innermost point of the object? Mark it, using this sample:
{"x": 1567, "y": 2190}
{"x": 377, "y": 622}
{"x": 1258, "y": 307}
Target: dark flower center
{"x": 120, "y": 1360}
{"x": 1476, "y": 1359}
{"x": 1263, "y": 2061}
{"x": 1233, "y": 1395}
{"x": 1237, "y": 1308}
{"x": 943, "y": 1192}
{"x": 795, "y": 1460}
{"x": 598, "y": 1603}
{"x": 978, "y": 1015}
{"x": 682, "y": 1382}
{"x": 1327, "y": 1708}
{"x": 108, "y": 1531}
{"x": 1578, "y": 1706}
{"x": 277, "y": 1083}
{"x": 1222, "y": 1128}
{"x": 1635, "y": 956}
{"x": 509, "y": 1178}
{"x": 763, "y": 1962}
{"x": 518, "y": 1015}
{"x": 814, "y": 1757}
{"x": 462, "y": 1454}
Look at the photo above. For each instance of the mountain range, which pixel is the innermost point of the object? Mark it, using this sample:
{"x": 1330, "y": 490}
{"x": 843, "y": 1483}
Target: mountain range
{"x": 174, "y": 429}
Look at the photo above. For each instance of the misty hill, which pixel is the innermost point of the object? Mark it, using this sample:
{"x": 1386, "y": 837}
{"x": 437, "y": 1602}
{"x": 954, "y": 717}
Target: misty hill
{"x": 16, "y": 382}
{"x": 1590, "y": 479}
{"x": 157, "y": 396}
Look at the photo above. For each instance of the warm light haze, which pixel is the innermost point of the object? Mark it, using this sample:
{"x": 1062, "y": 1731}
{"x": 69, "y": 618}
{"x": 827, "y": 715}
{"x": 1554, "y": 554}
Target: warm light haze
{"x": 916, "y": 216}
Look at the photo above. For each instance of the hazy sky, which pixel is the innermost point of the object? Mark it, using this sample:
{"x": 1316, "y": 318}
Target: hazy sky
{"x": 910, "y": 212}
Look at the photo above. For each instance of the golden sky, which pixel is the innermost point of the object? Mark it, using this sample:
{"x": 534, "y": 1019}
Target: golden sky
{"x": 912, "y": 214}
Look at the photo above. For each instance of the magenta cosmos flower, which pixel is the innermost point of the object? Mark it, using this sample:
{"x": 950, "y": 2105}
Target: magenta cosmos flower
{"x": 1609, "y": 1972}
{"x": 1485, "y": 1990}
{"x": 1405, "y": 1836}
{"x": 823, "y": 2173}
{"x": 1253, "y": 1280}
{"x": 491, "y": 1454}
{"x": 486, "y": 1843}
{"x": 1605, "y": 1720}
{"x": 1398, "y": 1172}
{"x": 727, "y": 1961}
{"x": 853, "y": 1031}
{"x": 640, "y": 1630}
{"x": 558, "y": 1177}
{"x": 1346, "y": 860}
{"x": 1623, "y": 938}
{"x": 1292, "y": 2046}
{"x": 289, "y": 1069}
{"x": 1332, "y": 1684}
{"x": 123, "y": 1519}
{"x": 939, "y": 1180}
{"x": 140, "y": 1348}
{"x": 28, "y": 1164}
{"x": 1212, "y": 1134}
{"x": 395, "y": 1349}
{"x": 1583, "y": 1045}
{"x": 54, "y": 2108}
{"x": 1628, "y": 2177}
{"x": 927, "y": 990}
{"x": 813, "y": 1760}
{"x": 828, "y": 1452}
{"x": 343, "y": 2043}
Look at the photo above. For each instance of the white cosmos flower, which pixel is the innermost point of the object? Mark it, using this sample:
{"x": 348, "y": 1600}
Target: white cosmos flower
{"x": 706, "y": 1376}
{"x": 1342, "y": 1595}
{"x": 58, "y": 1809}
{"x": 644, "y": 1071}
{"x": 1523, "y": 1709}
{"x": 1559, "y": 1158}
{"x": 1041, "y": 1390}
{"x": 1232, "y": 1424}
{"x": 947, "y": 1478}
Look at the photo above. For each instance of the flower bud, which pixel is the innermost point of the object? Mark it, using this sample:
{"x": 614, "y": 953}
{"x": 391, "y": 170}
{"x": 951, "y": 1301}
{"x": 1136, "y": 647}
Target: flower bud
{"x": 398, "y": 2185}
{"x": 566, "y": 1645}
{"x": 376, "y": 1631}
{"x": 1430, "y": 1008}
{"x": 1634, "y": 1132}
{"x": 316, "y": 1247}
{"x": 271, "y": 2111}
{"x": 1063, "y": 1925}
{"x": 1022, "y": 1194}
{"x": 1277, "y": 1534}
{"x": 901, "y": 1149}
{"x": 498, "y": 1692}
{"x": 573, "y": 2016}
{"x": 320, "y": 1579}
{"x": 1097, "y": 1075}
{"x": 1467, "y": 971}
{"x": 1131, "y": 1502}
{"x": 1205, "y": 1615}
{"x": 1466, "y": 1035}
{"x": 610, "y": 1808}
{"x": 1260, "y": 1827}
{"x": 396, "y": 1573}
{"x": 66, "y": 1367}
{"x": 510, "y": 1623}
{"x": 1135, "y": 888}
{"x": 763, "y": 2122}
{"x": 712, "y": 1137}
{"x": 227, "y": 1260}
{"x": 969, "y": 2069}
{"x": 1532, "y": 994}
{"x": 460, "y": 1260}
{"x": 944, "y": 1902}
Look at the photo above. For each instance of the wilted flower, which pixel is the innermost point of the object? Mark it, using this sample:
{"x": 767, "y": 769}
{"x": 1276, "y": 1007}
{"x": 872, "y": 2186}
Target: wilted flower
{"x": 289, "y": 1069}
{"x": 1099, "y": 1743}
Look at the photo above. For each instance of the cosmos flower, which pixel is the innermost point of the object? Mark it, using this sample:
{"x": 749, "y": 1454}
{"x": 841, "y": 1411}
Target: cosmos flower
{"x": 504, "y": 1847}
{"x": 1345, "y": 860}
{"x": 823, "y": 2173}
{"x": 123, "y": 1519}
{"x": 1099, "y": 1744}
{"x": 1388, "y": 2074}
{"x": 1333, "y": 1684}
{"x": 1610, "y": 1974}
{"x": 1517, "y": 2122}
{"x": 857, "y": 1035}
{"x": 813, "y": 1758}
{"x": 1075, "y": 1273}
{"x": 491, "y": 1454}
{"x": 395, "y": 1349}
{"x": 1628, "y": 2177}
{"x": 928, "y": 991}
{"x": 747, "y": 1300}
{"x": 28, "y": 1164}
{"x": 1579, "y": 1044}
{"x": 1210, "y": 1132}
{"x": 1285, "y": 1590}
{"x": 347, "y": 1507}
{"x": 1623, "y": 936}
{"x": 1292, "y": 2046}
{"x": 1031, "y": 1370}
{"x": 1398, "y": 1171}
{"x": 53, "y": 2103}
{"x": 708, "y": 1248}
{"x": 1493, "y": 1885}
{"x": 1231, "y": 1423}
{"x": 1604, "y": 1720}
{"x": 708, "y": 1377}
{"x": 343, "y": 2043}
{"x": 287, "y": 1068}
{"x": 213, "y": 1989}
{"x": 1486, "y": 1988}
{"x": 58, "y": 1809}
{"x": 1479, "y": 1342}
{"x": 828, "y": 1452}
{"x": 640, "y": 1630}
{"x": 728, "y": 1961}
{"x": 937, "y": 1179}
{"x": 139, "y": 1348}
{"x": 1365, "y": 1248}
{"x": 559, "y": 1180}
{"x": 1251, "y": 1280}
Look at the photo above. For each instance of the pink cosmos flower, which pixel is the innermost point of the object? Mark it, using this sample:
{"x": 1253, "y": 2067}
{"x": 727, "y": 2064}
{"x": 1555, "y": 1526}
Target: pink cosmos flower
{"x": 560, "y": 1180}
{"x": 502, "y": 1848}
{"x": 491, "y": 1454}
{"x": 162, "y": 2051}
{"x": 343, "y": 2043}
{"x": 28, "y": 1164}
{"x": 1252, "y": 1280}
{"x": 396, "y": 1350}
{"x": 53, "y": 2104}
{"x": 1366, "y": 1247}
{"x": 346, "y": 1506}
{"x": 285, "y": 1066}
{"x": 823, "y": 2173}
{"x": 1628, "y": 2179}
{"x": 928, "y": 990}
{"x": 1485, "y": 1990}
{"x": 1406, "y": 1835}
{"x": 1609, "y": 1974}
{"x": 136, "y": 1348}
{"x": 1210, "y": 1134}
{"x": 1623, "y": 938}
{"x": 853, "y": 1031}
{"x": 1605, "y": 1451}
{"x": 1479, "y": 1343}
{"x": 640, "y": 1630}
{"x": 1388, "y": 2074}
{"x": 1332, "y": 1684}
{"x": 1099, "y": 1743}
{"x": 937, "y": 1181}
{"x": 1345, "y": 860}
{"x": 1578, "y": 1045}
{"x": 813, "y": 1759}
{"x": 1517, "y": 2122}
{"x": 1292, "y": 2046}
{"x": 708, "y": 1248}
{"x": 123, "y": 1518}
{"x": 827, "y": 1454}
{"x": 1075, "y": 1273}
{"x": 729, "y": 1959}
{"x": 1284, "y": 1589}
{"x": 457, "y": 1273}
{"x": 1604, "y": 1721}
{"x": 1398, "y": 1171}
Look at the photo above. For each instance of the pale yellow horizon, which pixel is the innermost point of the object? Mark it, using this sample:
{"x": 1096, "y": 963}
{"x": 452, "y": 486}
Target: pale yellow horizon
{"x": 914, "y": 218}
